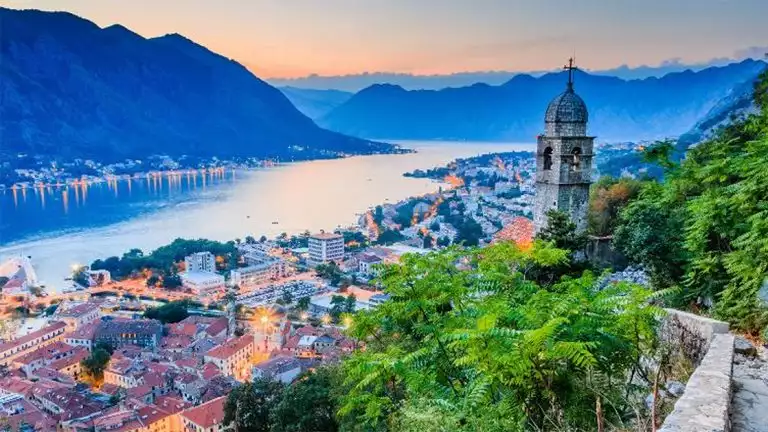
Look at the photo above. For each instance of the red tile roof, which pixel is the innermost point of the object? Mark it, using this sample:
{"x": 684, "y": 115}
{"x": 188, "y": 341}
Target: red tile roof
{"x": 217, "y": 327}
{"x": 208, "y": 414}
{"x": 520, "y": 231}
{"x": 231, "y": 347}
{"x": 210, "y": 370}
{"x": 58, "y": 325}
{"x": 78, "y": 354}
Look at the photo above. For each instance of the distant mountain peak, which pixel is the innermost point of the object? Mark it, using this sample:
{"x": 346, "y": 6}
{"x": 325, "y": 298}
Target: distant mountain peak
{"x": 124, "y": 96}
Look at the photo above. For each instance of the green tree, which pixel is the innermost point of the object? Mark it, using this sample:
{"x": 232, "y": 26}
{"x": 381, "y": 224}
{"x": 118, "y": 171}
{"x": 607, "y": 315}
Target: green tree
{"x": 703, "y": 229}
{"x": 93, "y": 366}
{"x": 249, "y": 405}
{"x": 483, "y": 347}
{"x": 308, "y": 404}
{"x": 606, "y": 199}
{"x": 171, "y": 312}
{"x": 287, "y": 297}
{"x": 172, "y": 281}
{"x": 338, "y": 306}
{"x": 389, "y": 236}
{"x": 349, "y": 303}
{"x": 152, "y": 281}
{"x": 303, "y": 304}
{"x": 562, "y": 232}
{"x": 468, "y": 233}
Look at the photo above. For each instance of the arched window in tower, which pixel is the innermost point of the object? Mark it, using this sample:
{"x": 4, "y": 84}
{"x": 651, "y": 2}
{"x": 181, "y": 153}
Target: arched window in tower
{"x": 547, "y": 158}
{"x": 576, "y": 153}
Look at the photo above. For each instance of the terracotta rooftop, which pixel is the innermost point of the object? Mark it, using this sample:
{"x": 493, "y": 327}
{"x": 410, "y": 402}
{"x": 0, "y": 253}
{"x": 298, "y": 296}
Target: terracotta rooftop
{"x": 58, "y": 325}
{"x": 230, "y": 347}
{"x": 83, "y": 332}
{"x": 520, "y": 231}
{"x": 78, "y": 354}
{"x": 208, "y": 414}
{"x": 217, "y": 327}
{"x": 77, "y": 310}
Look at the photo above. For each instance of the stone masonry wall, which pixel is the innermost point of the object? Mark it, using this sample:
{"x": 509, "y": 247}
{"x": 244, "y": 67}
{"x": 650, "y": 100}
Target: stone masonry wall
{"x": 705, "y": 405}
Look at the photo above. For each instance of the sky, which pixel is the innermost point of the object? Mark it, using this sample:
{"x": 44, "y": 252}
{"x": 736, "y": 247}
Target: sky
{"x": 292, "y": 38}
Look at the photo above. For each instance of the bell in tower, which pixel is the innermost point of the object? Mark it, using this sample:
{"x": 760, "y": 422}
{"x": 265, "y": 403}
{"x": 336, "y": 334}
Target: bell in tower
{"x": 564, "y": 159}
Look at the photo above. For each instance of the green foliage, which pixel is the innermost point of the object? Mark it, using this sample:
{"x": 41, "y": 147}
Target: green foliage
{"x": 483, "y": 347}
{"x": 705, "y": 229}
{"x": 162, "y": 260}
{"x": 388, "y": 237}
{"x": 287, "y": 297}
{"x": 50, "y": 310}
{"x": 562, "y": 232}
{"x": 303, "y": 304}
{"x": 250, "y": 404}
{"x": 93, "y": 366}
{"x": 338, "y": 306}
{"x": 330, "y": 271}
{"x": 606, "y": 199}
{"x": 468, "y": 232}
{"x": 172, "y": 281}
{"x": 309, "y": 404}
{"x": 171, "y": 312}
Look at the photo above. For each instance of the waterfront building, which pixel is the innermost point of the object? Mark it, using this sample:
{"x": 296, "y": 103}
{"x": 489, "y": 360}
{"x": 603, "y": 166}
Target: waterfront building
{"x": 260, "y": 270}
{"x": 326, "y": 247}
{"x": 200, "y": 262}
{"x": 202, "y": 283}
{"x": 564, "y": 159}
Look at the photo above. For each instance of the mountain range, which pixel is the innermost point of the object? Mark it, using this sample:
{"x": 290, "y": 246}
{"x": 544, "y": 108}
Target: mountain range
{"x": 650, "y": 108}
{"x": 72, "y": 89}
{"x": 356, "y": 82}
{"x": 315, "y": 103}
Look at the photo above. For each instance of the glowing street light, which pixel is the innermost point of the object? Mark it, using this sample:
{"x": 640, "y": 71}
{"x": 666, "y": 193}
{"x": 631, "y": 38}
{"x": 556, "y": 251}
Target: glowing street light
{"x": 304, "y": 316}
{"x": 347, "y": 321}
{"x": 264, "y": 319}
{"x": 326, "y": 319}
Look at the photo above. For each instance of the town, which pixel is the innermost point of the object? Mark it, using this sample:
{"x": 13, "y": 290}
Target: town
{"x": 148, "y": 342}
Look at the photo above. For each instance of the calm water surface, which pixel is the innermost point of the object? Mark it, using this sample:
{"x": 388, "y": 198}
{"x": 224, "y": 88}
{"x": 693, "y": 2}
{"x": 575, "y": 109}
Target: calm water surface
{"x": 60, "y": 229}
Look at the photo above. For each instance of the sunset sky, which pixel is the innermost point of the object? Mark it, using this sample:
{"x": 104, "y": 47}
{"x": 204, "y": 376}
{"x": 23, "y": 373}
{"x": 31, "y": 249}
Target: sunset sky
{"x": 289, "y": 38}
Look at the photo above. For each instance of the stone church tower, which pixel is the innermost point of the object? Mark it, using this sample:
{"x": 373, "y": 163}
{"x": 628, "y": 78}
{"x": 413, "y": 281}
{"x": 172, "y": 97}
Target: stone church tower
{"x": 564, "y": 159}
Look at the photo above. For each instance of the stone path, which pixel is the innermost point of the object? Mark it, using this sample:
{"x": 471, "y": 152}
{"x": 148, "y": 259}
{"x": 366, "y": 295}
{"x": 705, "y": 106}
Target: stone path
{"x": 749, "y": 404}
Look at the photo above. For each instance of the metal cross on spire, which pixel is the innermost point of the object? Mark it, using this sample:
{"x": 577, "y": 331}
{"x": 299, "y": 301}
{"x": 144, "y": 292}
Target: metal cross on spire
{"x": 570, "y": 68}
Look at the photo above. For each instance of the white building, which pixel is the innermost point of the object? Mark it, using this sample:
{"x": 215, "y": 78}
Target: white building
{"x": 325, "y": 247}
{"x": 202, "y": 283}
{"x": 200, "y": 262}
{"x": 258, "y": 274}
{"x": 366, "y": 262}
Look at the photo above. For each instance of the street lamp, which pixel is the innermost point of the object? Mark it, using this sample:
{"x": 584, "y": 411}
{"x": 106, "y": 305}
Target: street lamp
{"x": 304, "y": 316}
{"x": 347, "y": 321}
{"x": 326, "y": 319}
